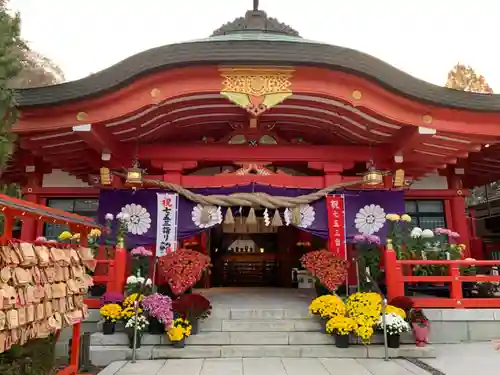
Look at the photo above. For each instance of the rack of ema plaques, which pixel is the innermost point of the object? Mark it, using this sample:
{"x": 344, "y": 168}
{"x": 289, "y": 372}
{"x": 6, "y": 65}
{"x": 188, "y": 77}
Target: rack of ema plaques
{"x": 43, "y": 284}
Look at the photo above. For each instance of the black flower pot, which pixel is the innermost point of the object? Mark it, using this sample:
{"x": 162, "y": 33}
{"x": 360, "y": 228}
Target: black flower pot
{"x": 179, "y": 344}
{"x": 108, "y": 328}
{"x": 341, "y": 341}
{"x": 393, "y": 341}
{"x": 131, "y": 340}
{"x": 321, "y": 290}
{"x": 155, "y": 327}
{"x": 195, "y": 327}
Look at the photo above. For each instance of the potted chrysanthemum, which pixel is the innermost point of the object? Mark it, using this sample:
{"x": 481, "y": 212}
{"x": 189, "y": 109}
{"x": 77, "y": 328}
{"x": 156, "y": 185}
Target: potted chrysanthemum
{"x": 111, "y": 312}
{"x": 178, "y": 332}
{"x": 139, "y": 322}
{"x": 340, "y": 327}
{"x": 395, "y": 326}
{"x": 159, "y": 309}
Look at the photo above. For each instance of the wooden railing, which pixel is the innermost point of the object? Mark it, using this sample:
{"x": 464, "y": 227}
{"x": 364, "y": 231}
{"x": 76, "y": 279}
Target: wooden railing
{"x": 114, "y": 277}
{"x": 396, "y": 276}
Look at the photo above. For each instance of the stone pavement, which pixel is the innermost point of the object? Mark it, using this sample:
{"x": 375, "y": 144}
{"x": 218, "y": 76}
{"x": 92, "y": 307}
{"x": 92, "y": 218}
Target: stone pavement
{"x": 452, "y": 359}
{"x": 264, "y": 366}
{"x": 465, "y": 358}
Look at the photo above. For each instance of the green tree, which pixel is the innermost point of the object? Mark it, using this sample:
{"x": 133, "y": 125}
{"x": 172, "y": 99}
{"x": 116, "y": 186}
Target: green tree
{"x": 10, "y": 67}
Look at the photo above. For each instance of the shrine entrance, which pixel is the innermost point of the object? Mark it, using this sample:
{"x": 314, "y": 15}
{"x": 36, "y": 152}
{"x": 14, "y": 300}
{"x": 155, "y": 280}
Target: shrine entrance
{"x": 256, "y": 254}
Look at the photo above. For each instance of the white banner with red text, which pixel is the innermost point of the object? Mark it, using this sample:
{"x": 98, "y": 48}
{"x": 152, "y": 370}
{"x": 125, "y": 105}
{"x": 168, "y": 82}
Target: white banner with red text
{"x": 337, "y": 242}
{"x": 166, "y": 223}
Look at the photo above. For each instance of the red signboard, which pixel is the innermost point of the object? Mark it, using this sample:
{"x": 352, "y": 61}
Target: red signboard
{"x": 336, "y": 225}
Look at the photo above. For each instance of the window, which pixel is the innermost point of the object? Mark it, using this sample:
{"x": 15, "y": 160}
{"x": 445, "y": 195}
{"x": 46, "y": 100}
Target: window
{"x": 82, "y": 206}
{"x": 426, "y": 214}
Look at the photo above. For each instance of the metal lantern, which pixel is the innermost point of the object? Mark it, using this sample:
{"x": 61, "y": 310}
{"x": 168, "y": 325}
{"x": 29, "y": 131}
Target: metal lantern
{"x": 373, "y": 177}
{"x": 134, "y": 175}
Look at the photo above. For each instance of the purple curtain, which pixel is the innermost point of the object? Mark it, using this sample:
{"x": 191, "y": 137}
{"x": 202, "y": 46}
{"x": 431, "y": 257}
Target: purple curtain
{"x": 359, "y": 204}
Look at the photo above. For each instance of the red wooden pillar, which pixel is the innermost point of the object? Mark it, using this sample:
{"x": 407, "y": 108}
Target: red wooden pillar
{"x": 458, "y": 212}
{"x": 29, "y": 225}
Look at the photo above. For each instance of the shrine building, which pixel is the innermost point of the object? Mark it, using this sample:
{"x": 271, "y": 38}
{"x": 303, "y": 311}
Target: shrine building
{"x": 257, "y": 108}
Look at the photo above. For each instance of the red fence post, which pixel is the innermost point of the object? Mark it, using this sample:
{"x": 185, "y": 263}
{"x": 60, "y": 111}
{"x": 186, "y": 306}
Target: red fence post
{"x": 75, "y": 347}
{"x": 120, "y": 268}
{"x": 456, "y": 286}
{"x": 393, "y": 273}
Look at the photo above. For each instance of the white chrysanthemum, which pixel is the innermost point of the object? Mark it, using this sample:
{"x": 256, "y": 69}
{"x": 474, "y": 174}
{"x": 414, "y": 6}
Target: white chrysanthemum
{"x": 214, "y": 216}
{"x": 131, "y": 280}
{"x": 370, "y": 219}
{"x": 137, "y": 217}
{"x": 140, "y": 280}
{"x": 416, "y": 232}
{"x": 427, "y": 233}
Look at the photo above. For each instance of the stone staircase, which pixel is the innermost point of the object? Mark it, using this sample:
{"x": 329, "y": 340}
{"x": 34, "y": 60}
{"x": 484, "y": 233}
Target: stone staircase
{"x": 241, "y": 333}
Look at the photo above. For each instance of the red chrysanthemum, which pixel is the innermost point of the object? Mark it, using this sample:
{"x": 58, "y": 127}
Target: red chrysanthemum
{"x": 182, "y": 269}
{"x": 330, "y": 270}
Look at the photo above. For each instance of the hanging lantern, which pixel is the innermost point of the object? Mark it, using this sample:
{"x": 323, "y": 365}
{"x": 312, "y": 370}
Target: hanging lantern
{"x": 134, "y": 176}
{"x": 105, "y": 176}
{"x": 373, "y": 177}
{"x": 399, "y": 178}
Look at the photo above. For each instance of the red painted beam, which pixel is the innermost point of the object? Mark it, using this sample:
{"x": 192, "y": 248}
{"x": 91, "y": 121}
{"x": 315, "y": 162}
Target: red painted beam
{"x": 276, "y": 153}
{"x": 100, "y": 140}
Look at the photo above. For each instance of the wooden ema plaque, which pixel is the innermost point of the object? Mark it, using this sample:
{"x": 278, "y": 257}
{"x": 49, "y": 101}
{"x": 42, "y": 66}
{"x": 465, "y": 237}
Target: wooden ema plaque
{"x": 42, "y": 287}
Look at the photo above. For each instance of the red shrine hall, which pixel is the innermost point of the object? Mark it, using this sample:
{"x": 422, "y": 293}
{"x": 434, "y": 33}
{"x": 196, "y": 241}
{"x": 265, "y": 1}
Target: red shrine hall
{"x": 255, "y": 108}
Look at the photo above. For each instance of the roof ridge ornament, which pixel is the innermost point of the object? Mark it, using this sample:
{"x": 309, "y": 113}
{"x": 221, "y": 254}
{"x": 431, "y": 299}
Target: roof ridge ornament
{"x": 255, "y": 20}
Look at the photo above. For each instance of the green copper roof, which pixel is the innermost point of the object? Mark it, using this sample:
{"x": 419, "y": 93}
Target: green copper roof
{"x": 257, "y": 36}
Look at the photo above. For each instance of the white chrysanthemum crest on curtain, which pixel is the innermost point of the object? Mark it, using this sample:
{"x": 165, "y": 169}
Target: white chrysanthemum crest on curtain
{"x": 212, "y": 216}
{"x": 370, "y": 219}
{"x": 307, "y": 215}
{"x": 139, "y": 219}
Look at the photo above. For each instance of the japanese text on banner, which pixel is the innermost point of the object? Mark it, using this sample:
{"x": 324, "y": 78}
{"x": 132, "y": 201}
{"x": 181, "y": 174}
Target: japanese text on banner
{"x": 166, "y": 223}
{"x": 336, "y": 225}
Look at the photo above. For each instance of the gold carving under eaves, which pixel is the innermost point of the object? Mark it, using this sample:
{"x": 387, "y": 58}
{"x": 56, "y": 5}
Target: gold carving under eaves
{"x": 42, "y": 290}
{"x": 256, "y": 89}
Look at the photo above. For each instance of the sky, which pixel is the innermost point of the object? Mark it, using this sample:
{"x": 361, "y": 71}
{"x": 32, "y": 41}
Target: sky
{"x": 424, "y": 38}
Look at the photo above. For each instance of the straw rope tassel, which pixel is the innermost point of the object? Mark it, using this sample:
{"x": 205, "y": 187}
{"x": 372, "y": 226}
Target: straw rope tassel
{"x": 296, "y": 215}
{"x": 229, "y": 218}
{"x": 277, "y": 222}
{"x": 251, "y": 218}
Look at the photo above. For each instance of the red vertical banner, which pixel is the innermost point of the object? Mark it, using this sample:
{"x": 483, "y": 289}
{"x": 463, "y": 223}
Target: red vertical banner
{"x": 336, "y": 225}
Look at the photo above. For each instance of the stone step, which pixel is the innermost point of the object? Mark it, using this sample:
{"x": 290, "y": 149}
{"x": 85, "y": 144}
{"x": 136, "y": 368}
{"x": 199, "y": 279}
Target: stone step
{"x": 238, "y": 338}
{"x": 104, "y": 355}
{"x": 260, "y": 325}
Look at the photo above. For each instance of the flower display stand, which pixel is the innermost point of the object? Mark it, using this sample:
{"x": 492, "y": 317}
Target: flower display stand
{"x": 305, "y": 279}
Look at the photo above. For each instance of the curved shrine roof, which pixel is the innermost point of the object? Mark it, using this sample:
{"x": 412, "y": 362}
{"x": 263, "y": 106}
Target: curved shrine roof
{"x": 256, "y": 39}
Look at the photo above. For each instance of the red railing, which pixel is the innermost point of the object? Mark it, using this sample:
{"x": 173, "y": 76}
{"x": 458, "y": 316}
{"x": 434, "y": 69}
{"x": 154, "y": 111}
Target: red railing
{"x": 395, "y": 271}
{"x": 115, "y": 274}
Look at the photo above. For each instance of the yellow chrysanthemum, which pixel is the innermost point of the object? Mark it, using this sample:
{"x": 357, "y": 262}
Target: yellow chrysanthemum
{"x": 393, "y": 217}
{"x": 94, "y": 233}
{"x": 341, "y": 325}
{"x": 389, "y": 309}
{"x": 65, "y": 236}
{"x": 327, "y": 306}
{"x": 129, "y": 301}
{"x": 364, "y": 309}
{"x": 111, "y": 312}
{"x": 406, "y": 218}
{"x": 76, "y": 236}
